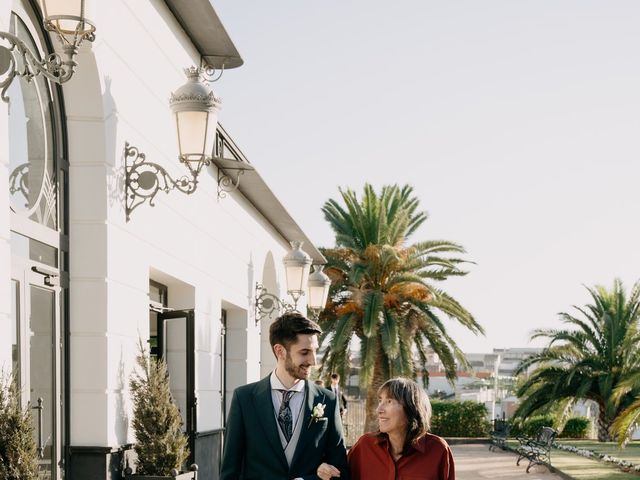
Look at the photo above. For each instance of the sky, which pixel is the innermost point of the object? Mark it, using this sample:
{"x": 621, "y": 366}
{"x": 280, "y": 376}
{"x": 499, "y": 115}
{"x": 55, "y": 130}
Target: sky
{"x": 516, "y": 122}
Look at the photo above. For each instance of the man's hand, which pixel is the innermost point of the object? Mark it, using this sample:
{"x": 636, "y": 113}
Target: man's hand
{"x": 326, "y": 471}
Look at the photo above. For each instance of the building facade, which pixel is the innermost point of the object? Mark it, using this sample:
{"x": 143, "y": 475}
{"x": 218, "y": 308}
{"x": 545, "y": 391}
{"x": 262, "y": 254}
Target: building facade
{"x": 80, "y": 285}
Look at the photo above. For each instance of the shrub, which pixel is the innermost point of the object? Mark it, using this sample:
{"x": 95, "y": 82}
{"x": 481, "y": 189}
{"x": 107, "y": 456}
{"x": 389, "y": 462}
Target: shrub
{"x": 576, "y": 427}
{"x": 160, "y": 444}
{"x": 459, "y": 419}
{"x": 18, "y": 451}
{"x": 531, "y": 425}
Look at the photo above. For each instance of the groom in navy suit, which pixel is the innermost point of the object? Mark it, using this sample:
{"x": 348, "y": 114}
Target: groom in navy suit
{"x": 285, "y": 427}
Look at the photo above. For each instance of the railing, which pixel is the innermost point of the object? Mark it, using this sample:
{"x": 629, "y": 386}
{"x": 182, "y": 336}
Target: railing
{"x": 354, "y": 420}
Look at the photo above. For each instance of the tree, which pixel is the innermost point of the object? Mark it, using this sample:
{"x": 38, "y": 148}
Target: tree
{"x": 592, "y": 358}
{"x": 161, "y": 446}
{"x": 383, "y": 291}
{"x": 18, "y": 451}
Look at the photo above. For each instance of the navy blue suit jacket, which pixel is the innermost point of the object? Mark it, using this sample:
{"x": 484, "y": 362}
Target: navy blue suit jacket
{"x": 252, "y": 447}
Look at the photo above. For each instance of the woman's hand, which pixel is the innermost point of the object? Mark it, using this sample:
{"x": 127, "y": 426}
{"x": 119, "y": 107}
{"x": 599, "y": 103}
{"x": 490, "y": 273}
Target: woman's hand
{"x": 327, "y": 472}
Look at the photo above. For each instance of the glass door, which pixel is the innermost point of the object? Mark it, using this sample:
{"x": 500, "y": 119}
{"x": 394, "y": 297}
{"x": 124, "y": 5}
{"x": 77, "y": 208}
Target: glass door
{"x": 37, "y": 357}
{"x": 176, "y": 346}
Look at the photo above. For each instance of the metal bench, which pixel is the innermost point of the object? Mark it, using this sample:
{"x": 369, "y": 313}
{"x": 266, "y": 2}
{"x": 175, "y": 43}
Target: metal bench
{"x": 499, "y": 434}
{"x": 537, "y": 449}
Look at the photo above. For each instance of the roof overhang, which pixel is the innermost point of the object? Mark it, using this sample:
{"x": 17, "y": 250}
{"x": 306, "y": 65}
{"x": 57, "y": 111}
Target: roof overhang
{"x": 255, "y": 190}
{"x": 201, "y": 23}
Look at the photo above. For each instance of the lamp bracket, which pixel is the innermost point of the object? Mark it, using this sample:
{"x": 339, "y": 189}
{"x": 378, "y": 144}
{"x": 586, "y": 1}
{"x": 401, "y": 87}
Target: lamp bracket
{"x": 266, "y": 303}
{"x": 17, "y": 60}
{"x": 143, "y": 179}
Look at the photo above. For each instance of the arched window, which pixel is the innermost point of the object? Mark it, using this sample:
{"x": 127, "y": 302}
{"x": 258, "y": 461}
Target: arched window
{"x": 39, "y": 243}
{"x": 34, "y": 143}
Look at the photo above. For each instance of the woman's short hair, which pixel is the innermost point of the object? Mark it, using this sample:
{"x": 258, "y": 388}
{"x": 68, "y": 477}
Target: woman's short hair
{"x": 416, "y": 405}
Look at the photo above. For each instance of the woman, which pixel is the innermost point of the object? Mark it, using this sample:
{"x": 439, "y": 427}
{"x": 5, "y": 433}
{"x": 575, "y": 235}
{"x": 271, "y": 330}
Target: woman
{"x": 402, "y": 448}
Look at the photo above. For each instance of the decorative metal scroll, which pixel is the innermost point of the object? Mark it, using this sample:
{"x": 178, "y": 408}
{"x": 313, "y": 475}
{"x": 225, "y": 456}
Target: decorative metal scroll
{"x": 267, "y": 303}
{"x": 53, "y": 66}
{"x": 44, "y": 208}
{"x": 226, "y": 183}
{"x": 143, "y": 180}
{"x": 211, "y": 74}
{"x": 19, "y": 181}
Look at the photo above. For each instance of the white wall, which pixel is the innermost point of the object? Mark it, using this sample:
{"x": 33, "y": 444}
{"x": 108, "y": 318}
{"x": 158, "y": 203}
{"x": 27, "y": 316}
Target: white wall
{"x": 119, "y": 94}
{"x": 5, "y": 254}
{"x": 218, "y": 249}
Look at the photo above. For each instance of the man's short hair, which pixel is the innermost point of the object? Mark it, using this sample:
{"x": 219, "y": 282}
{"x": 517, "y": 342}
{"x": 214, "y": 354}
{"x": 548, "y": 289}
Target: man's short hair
{"x": 335, "y": 376}
{"x": 285, "y": 329}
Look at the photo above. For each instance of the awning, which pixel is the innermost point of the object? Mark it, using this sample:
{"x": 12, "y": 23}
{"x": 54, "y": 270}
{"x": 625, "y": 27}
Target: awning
{"x": 201, "y": 23}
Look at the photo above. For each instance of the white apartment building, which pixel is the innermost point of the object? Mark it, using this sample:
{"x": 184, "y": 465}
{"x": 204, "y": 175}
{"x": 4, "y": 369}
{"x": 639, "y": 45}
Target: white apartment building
{"x": 80, "y": 283}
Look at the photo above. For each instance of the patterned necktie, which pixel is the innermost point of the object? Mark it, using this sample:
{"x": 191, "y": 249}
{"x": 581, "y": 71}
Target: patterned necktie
{"x": 285, "y": 419}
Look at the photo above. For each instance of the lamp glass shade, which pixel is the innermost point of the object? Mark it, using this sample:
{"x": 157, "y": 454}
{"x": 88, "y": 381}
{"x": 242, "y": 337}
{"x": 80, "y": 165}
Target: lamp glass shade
{"x": 296, "y": 268}
{"x": 68, "y": 16}
{"x": 318, "y": 288}
{"x": 195, "y": 134}
{"x": 196, "y": 109}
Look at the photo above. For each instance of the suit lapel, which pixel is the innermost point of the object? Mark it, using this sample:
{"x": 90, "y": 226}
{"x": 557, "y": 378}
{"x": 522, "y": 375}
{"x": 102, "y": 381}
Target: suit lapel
{"x": 314, "y": 396}
{"x": 263, "y": 404}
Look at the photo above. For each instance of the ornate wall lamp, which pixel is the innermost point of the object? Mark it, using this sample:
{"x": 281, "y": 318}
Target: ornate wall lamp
{"x": 296, "y": 267}
{"x": 195, "y": 107}
{"x": 65, "y": 19}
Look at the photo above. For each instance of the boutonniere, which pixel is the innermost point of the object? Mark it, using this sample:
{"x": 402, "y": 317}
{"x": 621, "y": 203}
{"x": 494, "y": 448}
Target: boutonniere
{"x": 317, "y": 413}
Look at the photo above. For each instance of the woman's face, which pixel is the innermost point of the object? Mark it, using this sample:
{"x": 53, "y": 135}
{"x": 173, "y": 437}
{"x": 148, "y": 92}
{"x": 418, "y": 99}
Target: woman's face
{"x": 391, "y": 416}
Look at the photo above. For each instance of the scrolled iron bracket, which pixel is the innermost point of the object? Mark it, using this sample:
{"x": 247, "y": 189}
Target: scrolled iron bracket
{"x": 17, "y": 59}
{"x": 229, "y": 172}
{"x": 211, "y": 74}
{"x": 227, "y": 183}
{"x": 266, "y": 303}
{"x": 143, "y": 180}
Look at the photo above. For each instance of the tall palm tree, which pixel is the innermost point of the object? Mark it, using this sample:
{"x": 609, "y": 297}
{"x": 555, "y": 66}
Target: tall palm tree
{"x": 589, "y": 360}
{"x": 384, "y": 292}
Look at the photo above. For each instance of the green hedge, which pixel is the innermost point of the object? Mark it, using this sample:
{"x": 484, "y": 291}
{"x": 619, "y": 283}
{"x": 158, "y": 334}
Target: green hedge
{"x": 531, "y": 425}
{"x": 459, "y": 419}
{"x": 576, "y": 427}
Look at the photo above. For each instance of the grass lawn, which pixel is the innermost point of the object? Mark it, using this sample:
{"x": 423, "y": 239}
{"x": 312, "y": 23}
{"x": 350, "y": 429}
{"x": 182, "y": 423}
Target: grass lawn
{"x": 581, "y": 468}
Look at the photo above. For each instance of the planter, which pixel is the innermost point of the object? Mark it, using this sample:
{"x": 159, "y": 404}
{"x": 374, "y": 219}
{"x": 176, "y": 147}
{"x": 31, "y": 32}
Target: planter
{"x": 175, "y": 475}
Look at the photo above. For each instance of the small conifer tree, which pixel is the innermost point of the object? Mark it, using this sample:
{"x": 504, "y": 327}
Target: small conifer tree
{"x": 18, "y": 451}
{"x": 160, "y": 444}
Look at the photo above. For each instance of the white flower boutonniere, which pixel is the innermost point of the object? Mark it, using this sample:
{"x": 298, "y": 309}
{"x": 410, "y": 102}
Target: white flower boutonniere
{"x": 317, "y": 413}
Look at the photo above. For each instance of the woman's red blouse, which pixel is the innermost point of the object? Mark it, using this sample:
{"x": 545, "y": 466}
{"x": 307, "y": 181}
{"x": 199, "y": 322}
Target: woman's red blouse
{"x": 429, "y": 459}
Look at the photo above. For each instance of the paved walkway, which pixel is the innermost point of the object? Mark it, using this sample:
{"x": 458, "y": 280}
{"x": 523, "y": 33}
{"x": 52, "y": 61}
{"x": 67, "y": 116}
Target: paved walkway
{"x": 476, "y": 462}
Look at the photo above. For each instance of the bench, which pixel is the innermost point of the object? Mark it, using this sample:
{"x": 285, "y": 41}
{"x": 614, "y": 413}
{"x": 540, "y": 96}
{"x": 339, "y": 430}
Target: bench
{"x": 537, "y": 449}
{"x": 499, "y": 434}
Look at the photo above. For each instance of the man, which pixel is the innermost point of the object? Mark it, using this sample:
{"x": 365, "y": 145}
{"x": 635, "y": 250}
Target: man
{"x": 335, "y": 388}
{"x": 285, "y": 427}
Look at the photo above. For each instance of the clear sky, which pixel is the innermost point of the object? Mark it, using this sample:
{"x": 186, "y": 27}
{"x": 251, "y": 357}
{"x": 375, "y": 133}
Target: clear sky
{"x": 517, "y": 123}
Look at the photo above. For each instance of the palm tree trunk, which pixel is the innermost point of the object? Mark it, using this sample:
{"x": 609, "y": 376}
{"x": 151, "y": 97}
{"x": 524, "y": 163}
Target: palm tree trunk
{"x": 603, "y": 424}
{"x": 377, "y": 379}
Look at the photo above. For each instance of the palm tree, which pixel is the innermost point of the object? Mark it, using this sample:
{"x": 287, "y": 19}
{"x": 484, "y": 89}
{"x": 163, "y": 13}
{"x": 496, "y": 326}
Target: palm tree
{"x": 628, "y": 420}
{"x": 589, "y": 361}
{"x": 384, "y": 293}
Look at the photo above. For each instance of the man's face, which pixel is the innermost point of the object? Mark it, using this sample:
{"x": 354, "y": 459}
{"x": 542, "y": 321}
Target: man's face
{"x": 301, "y": 356}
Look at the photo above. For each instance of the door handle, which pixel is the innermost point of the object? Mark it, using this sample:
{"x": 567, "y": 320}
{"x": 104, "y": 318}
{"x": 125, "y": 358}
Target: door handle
{"x": 51, "y": 277}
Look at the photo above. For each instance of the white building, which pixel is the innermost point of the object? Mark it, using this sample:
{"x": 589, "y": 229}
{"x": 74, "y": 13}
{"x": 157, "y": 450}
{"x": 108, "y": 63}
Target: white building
{"x": 79, "y": 284}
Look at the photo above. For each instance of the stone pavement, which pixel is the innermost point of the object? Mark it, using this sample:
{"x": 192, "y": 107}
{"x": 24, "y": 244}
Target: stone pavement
{"x": 476, "y": 462}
